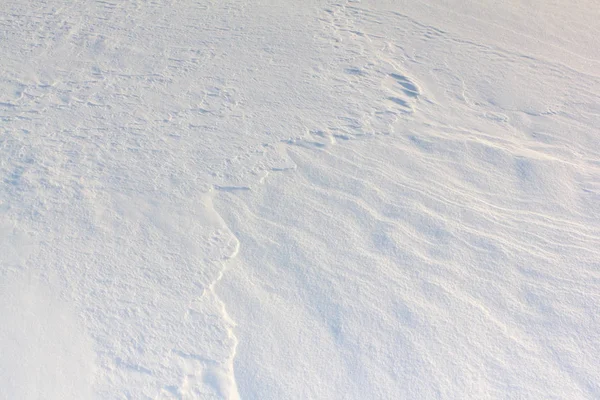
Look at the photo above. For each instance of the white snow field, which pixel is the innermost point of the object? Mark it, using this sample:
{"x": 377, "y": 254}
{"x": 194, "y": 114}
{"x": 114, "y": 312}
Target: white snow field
{"x": 374, "y": 199}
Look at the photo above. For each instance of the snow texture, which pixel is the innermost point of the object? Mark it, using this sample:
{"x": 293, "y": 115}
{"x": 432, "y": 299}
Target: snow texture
{"x": 362, "y": 199}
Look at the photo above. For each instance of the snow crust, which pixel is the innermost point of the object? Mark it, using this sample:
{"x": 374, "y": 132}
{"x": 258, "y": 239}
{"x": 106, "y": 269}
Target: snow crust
{"x": 367, "y": 199}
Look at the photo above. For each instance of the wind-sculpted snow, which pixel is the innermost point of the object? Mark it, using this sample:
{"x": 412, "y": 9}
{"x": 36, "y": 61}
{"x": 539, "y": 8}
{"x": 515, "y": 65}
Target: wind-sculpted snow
{"x": 373, "y": 274}
{"x": 344, "y": 200}
{"x": 118, "y": 119}
{"x": 455, "y": 258}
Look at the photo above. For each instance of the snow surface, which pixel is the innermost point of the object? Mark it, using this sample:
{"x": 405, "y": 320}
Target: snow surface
{"x": 373, "y": 199}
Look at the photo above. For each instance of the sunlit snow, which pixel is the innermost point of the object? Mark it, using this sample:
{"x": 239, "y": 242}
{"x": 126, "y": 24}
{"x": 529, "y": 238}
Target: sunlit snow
{"x": 277, "y": 200}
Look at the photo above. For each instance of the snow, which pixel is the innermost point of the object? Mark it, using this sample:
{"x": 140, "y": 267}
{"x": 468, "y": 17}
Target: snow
{"x": 345, "y": 200}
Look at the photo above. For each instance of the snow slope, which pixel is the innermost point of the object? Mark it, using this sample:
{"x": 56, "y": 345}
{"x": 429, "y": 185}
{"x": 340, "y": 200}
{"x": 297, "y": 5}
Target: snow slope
{"x": 457, "y": 257}
{"x": 345, "y": 200}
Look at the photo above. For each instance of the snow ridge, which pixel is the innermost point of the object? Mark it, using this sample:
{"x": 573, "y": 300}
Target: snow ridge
{"x": 376, "y": 196}
{"x": 453, "y": 260}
